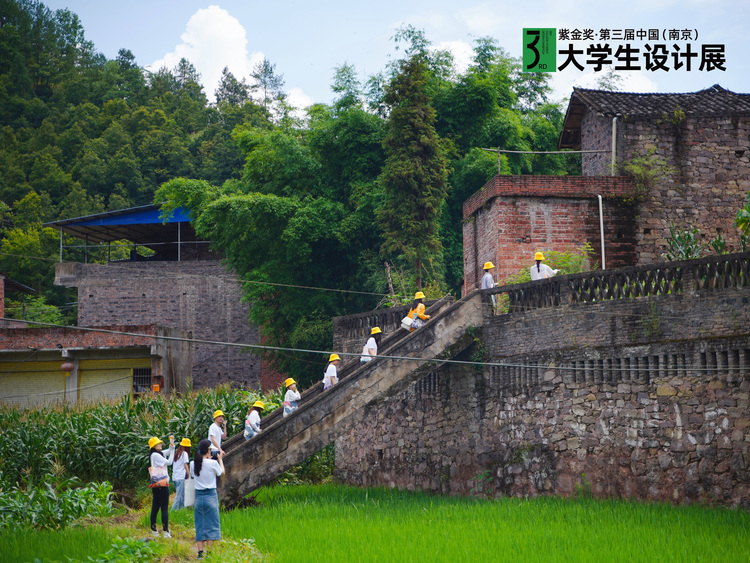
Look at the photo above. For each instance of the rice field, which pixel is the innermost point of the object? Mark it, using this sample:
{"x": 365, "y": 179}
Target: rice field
{"x": 337, "y": 523}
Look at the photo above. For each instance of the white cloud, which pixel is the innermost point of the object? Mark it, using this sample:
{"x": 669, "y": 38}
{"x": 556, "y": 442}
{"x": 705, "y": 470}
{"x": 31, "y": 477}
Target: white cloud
{"x": 461, "y": 51}
{"x": 212, "y": 40}
{"x": 297, "y": 98}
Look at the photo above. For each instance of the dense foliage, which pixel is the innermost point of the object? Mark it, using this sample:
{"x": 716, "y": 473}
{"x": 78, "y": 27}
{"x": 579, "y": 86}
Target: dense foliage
{"x": 52, "y": 504}
{"x": 363, "y": 195}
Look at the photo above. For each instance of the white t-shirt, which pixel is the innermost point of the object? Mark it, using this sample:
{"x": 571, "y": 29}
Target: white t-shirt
{"x": 210, "y": 470}
{"x": 254, "y": 420}
{"x": 487, "y": 281}
{"x": 178, "y": 471}
{"x": 543, "y": 272}
{"x": 330, "y": 377}
{"x": 216, "y": 431}
{"x": 158, "y": 460}
{"x": 371, "y": 343}
{"x": 290, "y": 396}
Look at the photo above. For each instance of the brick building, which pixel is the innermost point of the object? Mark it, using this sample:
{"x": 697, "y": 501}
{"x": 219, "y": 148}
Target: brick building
{"x": 100, "y": 364}
{"x": 182, "y": 284}
{"x": 703, "y": 137}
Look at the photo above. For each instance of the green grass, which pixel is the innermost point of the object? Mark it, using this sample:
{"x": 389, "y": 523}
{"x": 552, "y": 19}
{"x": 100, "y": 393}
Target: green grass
{"x": 337, "y": 523}
{"x": 328, "y": 523}
{"x": 77, "y": 543}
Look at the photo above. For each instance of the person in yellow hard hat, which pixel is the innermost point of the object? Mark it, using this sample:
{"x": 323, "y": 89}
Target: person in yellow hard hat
{"x": 330, "y": 377}
{"x": 290, "y": 397}
{"x": 180, "y": 471}
{"x": 370, "y": 348}
{"x": 160, "y": 484}
{"x": 488, "y": 282}
{"x": 417, "y": 313}
{"x": 252, "y": 422}
{"x": 217, "y": 432}
{"x": 541, "y": 271}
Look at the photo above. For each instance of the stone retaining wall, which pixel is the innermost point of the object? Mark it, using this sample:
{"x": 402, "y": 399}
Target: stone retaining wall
{"x": 645, "y": 397}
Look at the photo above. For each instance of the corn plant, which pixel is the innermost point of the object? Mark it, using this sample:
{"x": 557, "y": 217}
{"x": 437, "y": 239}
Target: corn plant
{"x": 107, "y": 441}
{"x": 53, "y": 505}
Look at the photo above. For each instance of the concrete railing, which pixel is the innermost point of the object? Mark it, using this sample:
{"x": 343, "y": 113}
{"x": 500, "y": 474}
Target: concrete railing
{"x": 349, "y": 366}
{"x": 715, "y": 272}
{"x": 323, "y": 416}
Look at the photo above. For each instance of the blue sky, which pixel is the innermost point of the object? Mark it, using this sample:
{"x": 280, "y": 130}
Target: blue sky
{"x": 306, "y": 41}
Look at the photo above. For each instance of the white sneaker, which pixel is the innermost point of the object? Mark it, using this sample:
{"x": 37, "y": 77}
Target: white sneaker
{"x": 166, "y": 534}
{"x": 155, "y": 533}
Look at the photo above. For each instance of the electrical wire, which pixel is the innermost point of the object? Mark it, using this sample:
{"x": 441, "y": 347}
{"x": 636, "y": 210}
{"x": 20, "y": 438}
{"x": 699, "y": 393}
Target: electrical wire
{"x": 27, "y": 358}
{"x": 327, "y": 352}
{"x": 77, "y": 389}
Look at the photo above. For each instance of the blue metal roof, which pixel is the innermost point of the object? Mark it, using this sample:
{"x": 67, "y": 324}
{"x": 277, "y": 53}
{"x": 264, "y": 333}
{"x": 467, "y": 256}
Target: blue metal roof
{"x": 142, "y": 225}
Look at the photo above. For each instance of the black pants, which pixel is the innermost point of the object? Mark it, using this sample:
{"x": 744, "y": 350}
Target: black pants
{"x": 160, "y": 502}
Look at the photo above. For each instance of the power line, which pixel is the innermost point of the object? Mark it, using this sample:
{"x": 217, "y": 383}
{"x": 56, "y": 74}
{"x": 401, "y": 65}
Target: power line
{"x": 78, "y": 389}
{"x": 19, "y": 363}
{"x": 351, "y": 354}
{"x": 545, "y": 152}
{"x": 240, "y": 280}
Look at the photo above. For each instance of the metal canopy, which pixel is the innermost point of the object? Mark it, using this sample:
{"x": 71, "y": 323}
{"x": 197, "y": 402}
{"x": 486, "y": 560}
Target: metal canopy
{"x": 141, "y": 225}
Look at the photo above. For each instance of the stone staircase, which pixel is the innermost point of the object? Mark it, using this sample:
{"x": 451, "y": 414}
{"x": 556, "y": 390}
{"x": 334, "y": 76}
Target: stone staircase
{"x": 323, "y": 416}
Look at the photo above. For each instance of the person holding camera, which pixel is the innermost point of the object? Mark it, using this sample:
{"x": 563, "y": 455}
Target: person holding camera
{"x": 216, "y": 433}
{"x": 206, "y": 509}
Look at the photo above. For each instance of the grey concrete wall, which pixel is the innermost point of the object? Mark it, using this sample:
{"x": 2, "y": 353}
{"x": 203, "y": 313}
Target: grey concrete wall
{"x": 201, "y": 297}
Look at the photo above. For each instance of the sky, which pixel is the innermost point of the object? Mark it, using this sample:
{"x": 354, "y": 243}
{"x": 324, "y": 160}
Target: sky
{"x": 308, "y": 41}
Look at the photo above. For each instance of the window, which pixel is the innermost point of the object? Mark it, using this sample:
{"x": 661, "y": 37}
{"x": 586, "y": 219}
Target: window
{"x": 141, "y": 380}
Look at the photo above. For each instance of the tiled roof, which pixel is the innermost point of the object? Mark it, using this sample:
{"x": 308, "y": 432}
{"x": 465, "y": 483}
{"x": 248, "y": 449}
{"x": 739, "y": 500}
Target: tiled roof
{"x": 711, "y": 101}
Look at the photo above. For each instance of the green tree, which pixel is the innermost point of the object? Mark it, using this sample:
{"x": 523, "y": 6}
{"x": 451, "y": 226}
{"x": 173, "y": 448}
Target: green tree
{"x": 414, "y": 173}
{"x": 231, "y": 90}
{"x": 268, "y": 82}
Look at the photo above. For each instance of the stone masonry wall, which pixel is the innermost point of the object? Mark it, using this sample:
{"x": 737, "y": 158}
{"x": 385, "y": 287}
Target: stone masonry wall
{"x": 648, "y": 397}
{"x": 710, "y": 157}
{"x": 514, "y": 216}
{"x": 197, "y": 296}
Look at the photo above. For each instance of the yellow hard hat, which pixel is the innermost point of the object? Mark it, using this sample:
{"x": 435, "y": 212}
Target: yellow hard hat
{"x": 376, "y": 330}
{"x": 185, "y": 443}
{"x": 218, "y": 413}
{"x": 419, "y": 295}
{"x": 289, "y": 381}
{"x": 333, "y": 358}
{"x": 153, "y": 441}
{"x": 539, "y": 256}
{"x": 488, "y": 265}
{"x": 259, "y": 404}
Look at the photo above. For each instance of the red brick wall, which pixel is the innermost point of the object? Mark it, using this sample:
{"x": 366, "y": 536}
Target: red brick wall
{"x": 512, "y": 217}
{"x": 50, "y": 338}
